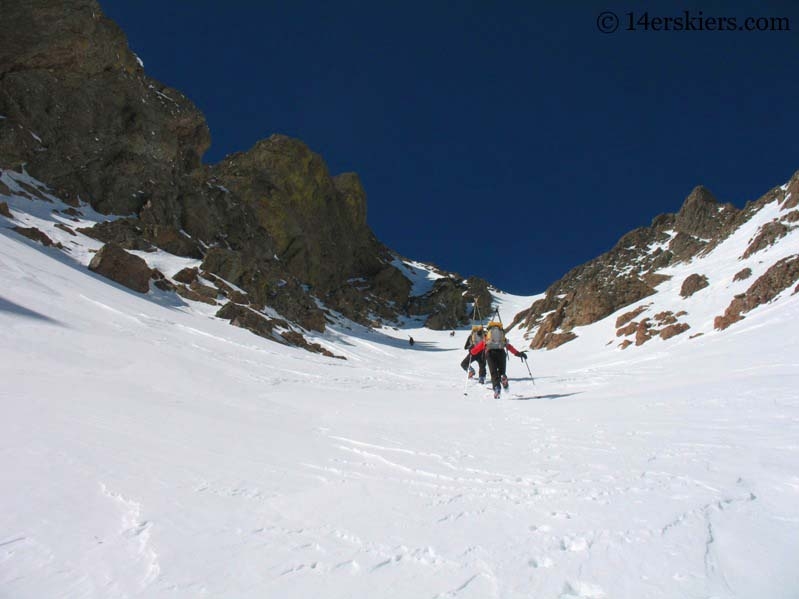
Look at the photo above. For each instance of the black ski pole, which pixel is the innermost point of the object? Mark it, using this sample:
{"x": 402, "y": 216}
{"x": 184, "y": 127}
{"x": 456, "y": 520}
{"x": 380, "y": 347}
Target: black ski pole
{"x": 528, "y": 371}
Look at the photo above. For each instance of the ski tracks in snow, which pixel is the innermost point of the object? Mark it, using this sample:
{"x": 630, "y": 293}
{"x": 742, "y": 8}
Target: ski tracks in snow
{"x": 539, "y": 507}
{"x": 447, "y": 498}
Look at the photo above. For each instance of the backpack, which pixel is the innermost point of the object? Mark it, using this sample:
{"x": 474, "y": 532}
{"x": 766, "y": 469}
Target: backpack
{"x": 495, "y": 336}
{"x": 477, "y": 334}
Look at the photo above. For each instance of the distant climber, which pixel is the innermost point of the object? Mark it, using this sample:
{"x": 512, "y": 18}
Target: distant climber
{"x": 410, "y": 340}
{"x": 494, "y": 345}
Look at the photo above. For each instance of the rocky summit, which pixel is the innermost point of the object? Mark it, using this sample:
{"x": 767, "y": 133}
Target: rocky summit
{"x": 81, "y": 117}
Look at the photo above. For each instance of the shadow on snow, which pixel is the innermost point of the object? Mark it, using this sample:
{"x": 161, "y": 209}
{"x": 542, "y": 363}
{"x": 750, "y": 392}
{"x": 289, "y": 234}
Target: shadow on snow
{"x": 9, "y": 306}
{"x": 548, "y": 396}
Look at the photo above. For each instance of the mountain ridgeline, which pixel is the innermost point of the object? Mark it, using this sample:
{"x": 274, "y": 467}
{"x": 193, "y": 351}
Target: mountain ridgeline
{"x": 750, "y": 256}
{"x": 80, "y": 115}
{"x": 282, "y": 247}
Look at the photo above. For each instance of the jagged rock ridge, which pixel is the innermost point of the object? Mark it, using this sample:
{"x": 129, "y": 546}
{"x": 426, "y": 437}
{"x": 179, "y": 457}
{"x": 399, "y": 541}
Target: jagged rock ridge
{"x": 632, "y": 273}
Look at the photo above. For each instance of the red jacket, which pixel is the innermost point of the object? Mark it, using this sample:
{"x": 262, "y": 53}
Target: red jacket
{"x": 482, "y": 345}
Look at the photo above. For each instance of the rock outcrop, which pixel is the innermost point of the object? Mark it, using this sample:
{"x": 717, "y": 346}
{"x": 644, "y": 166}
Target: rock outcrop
{"x": 776, "y": 279}
{"x": 317, "y": 223}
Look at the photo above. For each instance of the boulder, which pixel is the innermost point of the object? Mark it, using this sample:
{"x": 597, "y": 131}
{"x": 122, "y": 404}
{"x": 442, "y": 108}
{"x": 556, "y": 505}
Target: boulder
{"x": 186, "y": 275}
{"x": 692, "y": 284}
{"x": 116, "y": 264}
{"x": 673, "y": 330}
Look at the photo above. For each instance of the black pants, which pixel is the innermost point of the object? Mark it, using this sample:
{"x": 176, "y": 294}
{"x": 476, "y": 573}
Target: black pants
{"x": 481, "y": 362}
{"x": 497, "y": 361}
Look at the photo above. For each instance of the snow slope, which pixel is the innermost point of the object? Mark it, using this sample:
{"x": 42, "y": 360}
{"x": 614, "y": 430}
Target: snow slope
{"x": 148, "y": 449}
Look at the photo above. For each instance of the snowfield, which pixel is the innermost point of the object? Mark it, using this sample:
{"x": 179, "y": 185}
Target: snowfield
{"x": 148, "y": 449}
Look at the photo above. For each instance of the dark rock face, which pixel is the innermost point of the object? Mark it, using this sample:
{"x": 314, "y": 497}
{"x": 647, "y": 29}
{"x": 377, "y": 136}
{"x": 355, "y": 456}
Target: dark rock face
{"x": 81, "y": 114}
{"x": 478, "y": 292}
{"x": 5, "y": 211}
{"x": 318, "y": 223}
{"x": 743, "y": 274}
{"x": 692, "y": 284}
{"x": 446, "y": 304}
{"x": 126, "y": 269}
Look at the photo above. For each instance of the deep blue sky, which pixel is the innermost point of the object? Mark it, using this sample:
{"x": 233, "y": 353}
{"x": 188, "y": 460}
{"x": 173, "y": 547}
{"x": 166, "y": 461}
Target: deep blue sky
{"x": 493, "y": 138}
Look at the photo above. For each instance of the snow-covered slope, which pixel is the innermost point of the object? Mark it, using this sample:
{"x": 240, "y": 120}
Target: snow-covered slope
{"x": 148, "y": 449}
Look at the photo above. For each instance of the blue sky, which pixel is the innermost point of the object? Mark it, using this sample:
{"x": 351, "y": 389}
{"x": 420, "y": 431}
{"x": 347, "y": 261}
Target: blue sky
{"x": 497, "y": 139}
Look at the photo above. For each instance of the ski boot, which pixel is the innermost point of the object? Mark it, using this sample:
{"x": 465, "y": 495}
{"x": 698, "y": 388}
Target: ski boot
{"x": 504, "y": 380}
{"x": 497, "y": 392}
{"x": 482, "y": 380}
{"x": 471, "y": 372}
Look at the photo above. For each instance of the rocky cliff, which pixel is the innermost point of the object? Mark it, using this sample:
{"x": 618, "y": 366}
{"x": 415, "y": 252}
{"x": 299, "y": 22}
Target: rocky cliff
{"x": 643, "y": 262}
{"x": 80, "y": 115}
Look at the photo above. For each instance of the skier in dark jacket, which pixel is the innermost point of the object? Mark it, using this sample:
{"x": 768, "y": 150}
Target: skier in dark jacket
{"x": 494, "y": 346}
{"x": 475, "y": 337}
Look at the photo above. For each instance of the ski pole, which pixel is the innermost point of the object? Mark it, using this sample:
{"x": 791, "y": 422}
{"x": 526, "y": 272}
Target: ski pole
{"x": 466, "y": 384}
{"x": 528, "y": 371}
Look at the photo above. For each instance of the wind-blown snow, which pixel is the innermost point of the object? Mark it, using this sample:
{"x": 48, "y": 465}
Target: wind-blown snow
{"x": 148, "y": 449}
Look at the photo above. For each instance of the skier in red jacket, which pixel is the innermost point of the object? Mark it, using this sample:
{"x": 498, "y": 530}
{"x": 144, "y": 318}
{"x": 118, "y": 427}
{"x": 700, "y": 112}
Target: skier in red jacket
{"x": 494, "y": 346}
